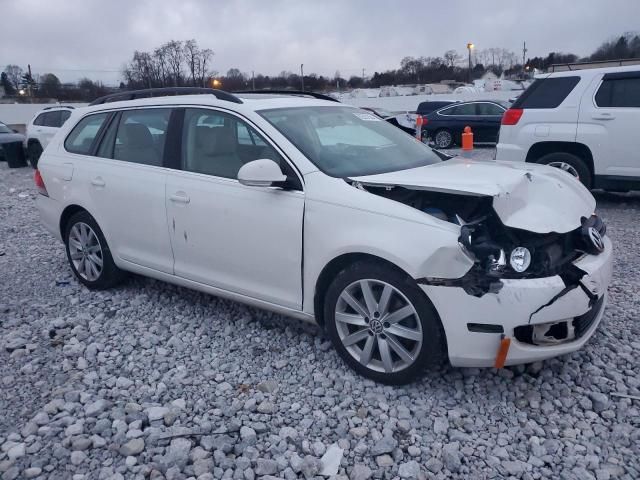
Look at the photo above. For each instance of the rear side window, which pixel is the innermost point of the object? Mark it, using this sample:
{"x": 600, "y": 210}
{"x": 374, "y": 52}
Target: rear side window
{"x": 489, "y": 109}
{"x": 84, "y": 133}
{"x": 64, "y": 116}
{"x": 140, "y": 136}
{"x": 619, "y": 92}
{"x": 53, "y": 119}
{"x": 546, "y": 92}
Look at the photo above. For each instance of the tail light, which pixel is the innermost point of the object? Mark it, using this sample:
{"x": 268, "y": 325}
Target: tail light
{"x": 512, "y": 116}
{"x": 42, "y": 189}
{"x": 425, "y": 120}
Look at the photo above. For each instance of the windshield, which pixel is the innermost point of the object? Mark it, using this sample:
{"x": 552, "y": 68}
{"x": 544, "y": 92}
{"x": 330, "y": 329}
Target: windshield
{"x": 345, "y": 141}
{"x": 4, "y": 128}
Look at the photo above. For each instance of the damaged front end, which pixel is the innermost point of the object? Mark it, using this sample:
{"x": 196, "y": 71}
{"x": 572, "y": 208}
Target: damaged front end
{"x": 498, "y": 251}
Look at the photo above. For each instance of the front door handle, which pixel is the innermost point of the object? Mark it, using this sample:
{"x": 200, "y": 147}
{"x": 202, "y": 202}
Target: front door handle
{"x": 98, "y": 182}
{"x": 603, "y": 116}
{"x": 179, "y": 198}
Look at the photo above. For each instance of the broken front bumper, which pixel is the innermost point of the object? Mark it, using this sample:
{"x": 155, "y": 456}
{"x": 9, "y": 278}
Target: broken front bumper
{"x": 474, "y": 326}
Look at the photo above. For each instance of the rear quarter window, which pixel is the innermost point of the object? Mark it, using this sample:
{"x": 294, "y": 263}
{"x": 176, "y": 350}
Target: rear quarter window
{"x": 81, "y": 138}
{"x": 546, "y": 92}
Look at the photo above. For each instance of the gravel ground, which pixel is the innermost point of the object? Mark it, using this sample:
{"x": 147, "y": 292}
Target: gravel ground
{"x": 153, "y": 381}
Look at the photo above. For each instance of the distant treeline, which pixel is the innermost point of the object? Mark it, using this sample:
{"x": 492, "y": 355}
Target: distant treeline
{"x": 185, "y": 63}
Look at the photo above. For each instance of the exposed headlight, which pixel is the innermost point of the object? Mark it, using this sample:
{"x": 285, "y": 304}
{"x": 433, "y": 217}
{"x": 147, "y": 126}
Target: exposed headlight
{"x": 520, "y": 259}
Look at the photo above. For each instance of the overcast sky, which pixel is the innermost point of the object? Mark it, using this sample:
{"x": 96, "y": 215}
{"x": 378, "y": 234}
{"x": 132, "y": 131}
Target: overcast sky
{"x": 95, "y": 38}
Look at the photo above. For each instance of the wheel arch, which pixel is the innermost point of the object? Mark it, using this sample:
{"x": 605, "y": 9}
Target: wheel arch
{"x": 67, "y": 213}
{"x": 540, "y": 149}
{"x": 338, "y": 264}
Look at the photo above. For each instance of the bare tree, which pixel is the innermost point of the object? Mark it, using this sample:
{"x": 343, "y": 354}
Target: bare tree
{"x": 175, "y": 60}
{"x": 203, "y": 72}
{"x": 451, "y": 57}
{"x": 14, "y": 74}
{"x": 192, "y": 57}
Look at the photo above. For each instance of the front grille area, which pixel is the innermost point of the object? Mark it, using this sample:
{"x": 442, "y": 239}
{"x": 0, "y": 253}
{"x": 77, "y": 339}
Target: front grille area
{"x": 560, "y": 331}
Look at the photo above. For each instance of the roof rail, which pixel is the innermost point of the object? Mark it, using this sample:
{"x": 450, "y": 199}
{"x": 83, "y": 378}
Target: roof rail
{"x": 319, "y": 96}
{"x": 58, "y": 106}
{"x": 165, "y": 92}
{"x": 564, "y": 67}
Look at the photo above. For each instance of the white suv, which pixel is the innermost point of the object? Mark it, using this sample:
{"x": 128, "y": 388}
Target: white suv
{"x": 41, "y": 129}
{"x": 583, "y": 121}
{"x": 325, "y": 212}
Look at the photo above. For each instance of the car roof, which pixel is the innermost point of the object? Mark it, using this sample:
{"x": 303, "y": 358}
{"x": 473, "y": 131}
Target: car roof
{"x": 590, "y": 71}
{"x": 250, "y": 102}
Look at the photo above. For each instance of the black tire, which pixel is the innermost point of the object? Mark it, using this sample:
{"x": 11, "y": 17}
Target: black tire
{"x": 14, "y": 154}
{"x": 110, "y": 275}
{"x": 34, "y": 150}
{"x": 445, "y": 137}
{"x": 577, "y": 164}
{"x": 433, "y": 347}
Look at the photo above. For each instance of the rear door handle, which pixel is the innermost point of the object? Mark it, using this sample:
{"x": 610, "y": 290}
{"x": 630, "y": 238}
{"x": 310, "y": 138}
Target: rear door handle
{"x": 179, "y": 198}
{"x": 603, "y": 116}
{"x": 98, "y": 182}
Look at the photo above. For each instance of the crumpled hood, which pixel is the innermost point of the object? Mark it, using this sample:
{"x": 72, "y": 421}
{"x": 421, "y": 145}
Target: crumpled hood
{"x": 531, "y": 197}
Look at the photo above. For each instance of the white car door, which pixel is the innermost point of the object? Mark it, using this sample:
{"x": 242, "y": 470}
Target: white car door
{"x": 126, "y": 182}
{"x": 246, "y": 240}
{"x": 609, "y": 114}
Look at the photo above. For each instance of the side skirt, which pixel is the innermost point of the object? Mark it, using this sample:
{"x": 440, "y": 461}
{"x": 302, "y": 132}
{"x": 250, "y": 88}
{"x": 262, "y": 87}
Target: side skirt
{"x": 616, "y": 182}
{"x": 218, "y": 292}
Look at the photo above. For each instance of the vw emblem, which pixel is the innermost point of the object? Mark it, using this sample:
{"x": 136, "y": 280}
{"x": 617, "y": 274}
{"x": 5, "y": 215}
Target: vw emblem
{"x": 596, "y": 239}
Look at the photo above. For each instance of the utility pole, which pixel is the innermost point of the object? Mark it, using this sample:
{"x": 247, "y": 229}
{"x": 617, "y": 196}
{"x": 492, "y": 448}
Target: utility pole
{"x": 30, "y": 81}
{"x": 524, "y": 53}
{"x": 302, "y": 75}
{"x": 363, "y": 75}
{"x": 253, "y": 80}
{"x": 469, "y": 47}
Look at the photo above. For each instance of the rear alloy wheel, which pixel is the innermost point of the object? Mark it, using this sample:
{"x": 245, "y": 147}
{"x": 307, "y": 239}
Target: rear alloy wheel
{"x": 34, "y": 150}
{"x": 443, "y": 139}
{"x": 381, "y": 324}
{"x": 88, "y": 253}
{"x": 570, "y": 163}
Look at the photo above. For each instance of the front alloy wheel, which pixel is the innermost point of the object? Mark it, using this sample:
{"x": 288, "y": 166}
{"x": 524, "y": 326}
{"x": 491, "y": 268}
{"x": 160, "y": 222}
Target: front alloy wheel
{"x": 381, "y": 323}
{"x": 378, "y": 326}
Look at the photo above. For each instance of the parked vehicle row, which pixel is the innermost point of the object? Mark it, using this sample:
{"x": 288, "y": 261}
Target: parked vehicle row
{"x": 445, "y": 125}
{"x": 324, "y": 212}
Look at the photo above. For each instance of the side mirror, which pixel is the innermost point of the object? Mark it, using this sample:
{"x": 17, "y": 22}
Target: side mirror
{"x": 261, "y": 173}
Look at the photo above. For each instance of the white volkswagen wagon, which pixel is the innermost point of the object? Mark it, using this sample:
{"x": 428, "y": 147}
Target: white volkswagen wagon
{"x": 323, "y": 212}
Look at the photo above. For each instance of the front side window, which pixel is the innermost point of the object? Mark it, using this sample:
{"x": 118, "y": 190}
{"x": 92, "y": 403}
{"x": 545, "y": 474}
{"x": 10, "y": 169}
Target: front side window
{"x": 216, "y": 143}
{"x": 619, "y": 92}
{"x": 465, "y": 109}
{"x": 140, "y": 136}
{"x": 344, "y": 141}
{"x": 81, "y": 138}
